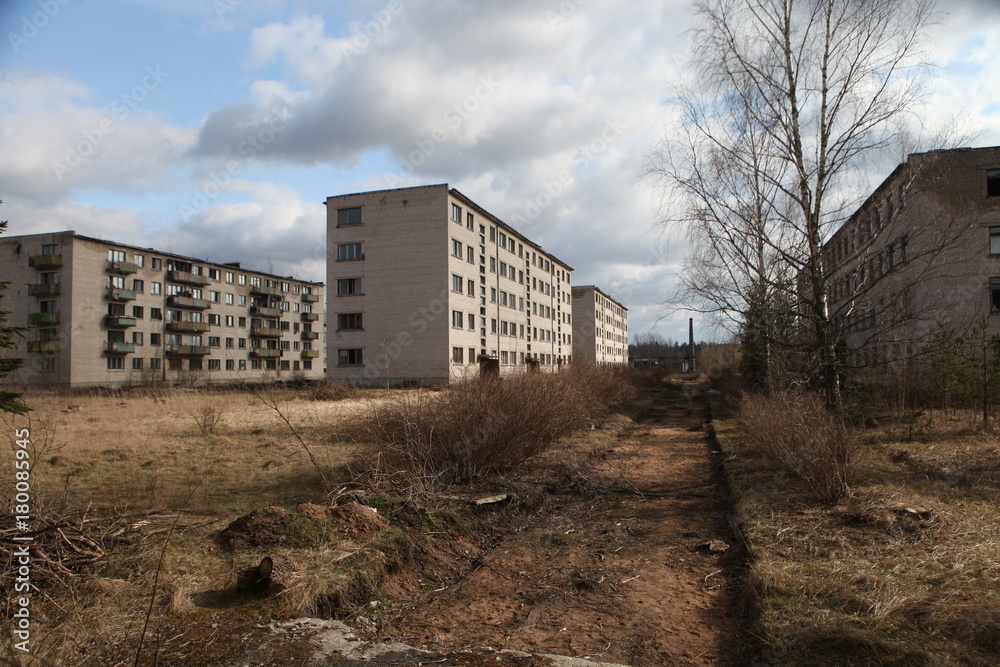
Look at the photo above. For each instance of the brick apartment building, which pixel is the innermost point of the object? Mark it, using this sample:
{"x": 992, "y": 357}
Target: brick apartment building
{"x": 924, "y": 249}
{"x": 427, "y": 287}
{"x": 600, "y": 327}
{"x": 105, "y": 313}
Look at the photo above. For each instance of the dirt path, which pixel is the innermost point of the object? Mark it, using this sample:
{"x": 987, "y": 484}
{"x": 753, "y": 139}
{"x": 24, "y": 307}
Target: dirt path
{"x": 612, "y": 570}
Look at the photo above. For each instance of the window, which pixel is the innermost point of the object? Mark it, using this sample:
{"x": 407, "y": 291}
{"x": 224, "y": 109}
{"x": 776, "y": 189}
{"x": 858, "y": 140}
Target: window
{"x": 137, "y": 337}
{"x": 242, "y": 279}
{"x": 50, "y": 249}
{"x": 348, "y": 217}
{"x": 214, "y": 364}
{"x": 157, "y": 265}
{"x": 116, "y": 282}
{"x": 456, "y": 283}
{"x": 456, "y": 213}
{"x": 214, "y": 341}
{"x": 457, "y": 319}
{"x": 155, "y": 288}
{"x": 995, "y": 295}
{"x": 470, "y": 254}
{"x": 137, "y": 312}
{"x": 155, "y": 338}
{"x": 139, "y": 260}
{"x": 993, "y": 183}
{"x": 348, "y": 286}
{"x": 154, "y": 364}
{"x": 470, "y": 223}
{"x": 493, "y": 264}
{"x": 229, "y": 277}
{"x": 137, "y": 363}
{"x": 349, "y": 252}
{"x": 116, "y": 255}
{"x": 995, "y": 240}
{"x": 214, "y": 297}
{"x": 194, "y": 365}
{"x": 116, "y": 363}
{"x": 349, "y": 357}
{"x": 242, "y": 300}
{"x": 349, "y": 322}
{"x": 472, "y": 322}
{"x": 471, "y": 287}
{"x": 472, "y": 350}
{"x": 456, "y": 248}
{"x": 230, "y": 299}
{"x": 230, "y": 364}
{"x": 457, "y": 355}
{"x": 230, "y": 342}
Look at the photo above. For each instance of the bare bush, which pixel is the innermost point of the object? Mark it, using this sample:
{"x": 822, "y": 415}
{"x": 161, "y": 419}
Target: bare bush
{"x": 485, "y": 426}
{"x": 208, "y": 418}
{"x": 800, "y": 434}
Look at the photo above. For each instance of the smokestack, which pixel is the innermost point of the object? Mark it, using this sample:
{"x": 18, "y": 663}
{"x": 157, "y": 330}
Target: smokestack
{"x": 691, "y": 343}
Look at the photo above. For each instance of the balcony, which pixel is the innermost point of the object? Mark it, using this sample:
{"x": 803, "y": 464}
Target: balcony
{"x": 272, "y": 313}
{"x": 45, "y": 261}
{"x": 187, "y": 302}
{"x": 265, "y": 291}
{"x": 188, "y": 327}
{"x": 310, "y": 317}
{"x": 44, "y": 289}
{"x": 265, "y": 353}
{"x": 43, "y": 346}
{"x": 119, "y": 321}
{"x": 187, "y": 350}
{"x": 123, "y": 268}
{"x": 189, "y": 278}
{"x": 310, "y": 298}
{"x": 265, "y": 332}
{"x": 310, "y": 354}
{"x": 36, "y": 319}
{"x": 310, "y": 335}
{"x": 117, "y": 294}
{"x": 119, "y": 348}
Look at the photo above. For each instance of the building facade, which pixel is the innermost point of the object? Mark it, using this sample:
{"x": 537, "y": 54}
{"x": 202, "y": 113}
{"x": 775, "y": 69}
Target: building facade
{"x": 426, "y": 287}
{"x": 100, "y": 313}
{"x": 600, "y": 327}
{"x": 922, "y": 252}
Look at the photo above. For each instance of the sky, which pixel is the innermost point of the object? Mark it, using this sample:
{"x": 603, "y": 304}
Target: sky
{"x": 217, "y": 128}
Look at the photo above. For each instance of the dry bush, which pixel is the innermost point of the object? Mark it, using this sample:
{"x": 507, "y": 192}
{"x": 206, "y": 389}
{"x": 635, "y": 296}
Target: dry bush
{"x": 798, "y": 433}
{"x": 208, "y": 417}
{"x": 486, "y": 426}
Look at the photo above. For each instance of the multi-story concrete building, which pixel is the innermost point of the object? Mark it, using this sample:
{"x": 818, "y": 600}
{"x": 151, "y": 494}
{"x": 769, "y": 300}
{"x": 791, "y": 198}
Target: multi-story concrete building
{"x": 922, "y": 251}
{"x": 600, "y": 327}
{"x": 427, "y": 287}
{"x": 105, "y": 313}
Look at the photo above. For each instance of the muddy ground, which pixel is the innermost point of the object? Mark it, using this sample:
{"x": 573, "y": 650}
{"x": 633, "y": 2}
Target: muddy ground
{"x": 625, "y": 558}
{"x": 633, "y": 564}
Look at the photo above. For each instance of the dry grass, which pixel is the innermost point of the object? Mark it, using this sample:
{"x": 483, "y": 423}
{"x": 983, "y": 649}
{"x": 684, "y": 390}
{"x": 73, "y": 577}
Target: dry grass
{"x": 483, "y": 427}
{"x": 904, "y": 571}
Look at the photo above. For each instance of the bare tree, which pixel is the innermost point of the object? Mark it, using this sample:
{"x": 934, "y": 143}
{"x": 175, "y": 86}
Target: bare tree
{"x": 793, "y": 98}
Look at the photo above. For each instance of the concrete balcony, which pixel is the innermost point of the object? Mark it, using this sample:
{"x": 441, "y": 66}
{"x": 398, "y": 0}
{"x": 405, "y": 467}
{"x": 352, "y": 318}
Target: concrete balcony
{"x": 119, "y": 348}
{"x": 272, "y": 313}
{"x": 48, "y": 346}
{"x": 44, "y": 289}
{"x": 119, "y": 321}
{"x": 265, "y": 291}
{"x": 310, "y": 354}
{"x": 265, "y": 353}
{"x": 310, "y": 317}
{"x": 187, "y": 302}
{"x": 310, "y": 298}
{"x": 123, "y": 268}
{"x": 187, "y": 350}
{"x": 189, "y": 278}
{"x": 310, "y": 335}
{"x": 265, "y": 332}
{"x": 45, "y": 261}
{"x": 36, "y": 319}
{"x": 116, "y": 294}
{"x": 188, "y": 327}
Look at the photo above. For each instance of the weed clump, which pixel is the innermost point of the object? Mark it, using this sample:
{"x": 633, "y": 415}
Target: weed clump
{"x": 799, "y": 434}
{"x": 484, "y": 427}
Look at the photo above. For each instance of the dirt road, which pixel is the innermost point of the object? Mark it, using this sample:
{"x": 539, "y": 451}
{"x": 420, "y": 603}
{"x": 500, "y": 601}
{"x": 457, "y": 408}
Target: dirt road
{"x": 626, "y": 567}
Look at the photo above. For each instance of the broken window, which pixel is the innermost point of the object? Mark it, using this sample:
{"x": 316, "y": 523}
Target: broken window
{"x": 993, "y": 183}
{"x": 995, "y": 295}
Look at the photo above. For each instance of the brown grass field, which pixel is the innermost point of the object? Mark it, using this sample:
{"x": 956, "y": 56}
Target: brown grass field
{"x": 904, "y": 570}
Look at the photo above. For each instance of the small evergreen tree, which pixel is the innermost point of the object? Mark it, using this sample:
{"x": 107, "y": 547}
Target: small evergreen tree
{"x": 948, "y": 371}
{"x": 10, "y": 401}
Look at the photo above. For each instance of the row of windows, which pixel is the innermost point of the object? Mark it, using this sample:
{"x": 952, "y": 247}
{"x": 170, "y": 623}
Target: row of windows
{"x": 892, "y": 256}
{"x": 156, "y": 339}
{"x": 156, "y": 264}
{"x": 878, "y": 214}
{"x": 229, "y": 299}
{"x": 155, "y": 363}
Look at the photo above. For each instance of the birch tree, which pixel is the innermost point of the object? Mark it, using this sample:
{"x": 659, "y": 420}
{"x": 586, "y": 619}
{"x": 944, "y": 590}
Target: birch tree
{"x": 793, "y": 97}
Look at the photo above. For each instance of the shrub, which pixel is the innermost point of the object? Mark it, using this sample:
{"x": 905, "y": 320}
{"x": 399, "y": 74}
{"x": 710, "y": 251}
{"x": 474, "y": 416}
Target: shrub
{"x": 484, "y": 426}
{"x": 798, "y": 433}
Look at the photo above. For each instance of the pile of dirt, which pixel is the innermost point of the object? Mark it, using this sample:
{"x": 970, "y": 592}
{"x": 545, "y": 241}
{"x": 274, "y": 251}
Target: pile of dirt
{"x": 265, "y": 527}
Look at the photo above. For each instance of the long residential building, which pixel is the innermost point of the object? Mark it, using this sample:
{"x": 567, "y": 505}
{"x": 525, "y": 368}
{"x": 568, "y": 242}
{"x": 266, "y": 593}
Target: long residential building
{"x": 427, "y": 287}
{"x": 100, "y": 313}
{"x": 922, "y": 252}
{"x": 600, "y": 327}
